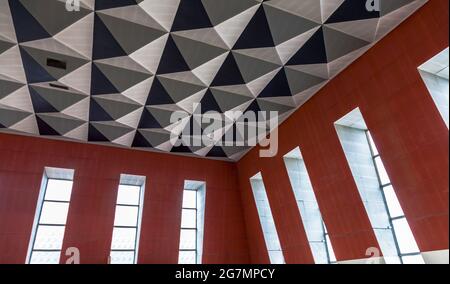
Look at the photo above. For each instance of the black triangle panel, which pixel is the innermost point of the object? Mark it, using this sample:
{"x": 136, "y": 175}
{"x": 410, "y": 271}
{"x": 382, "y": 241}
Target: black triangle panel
{"x": 172, "y": 60}
{"x": 158, "y": 95}
{"x": 216, "y": 152}
{"x": 45, "y": 129}
{"x": 181, "y": 149}
{"x": 40, "y": 105}
{"x": 100, "y": 84}
{"x": 97, "y": 113}
{"x": 209, "y": 103}
{"x": 108, "y": 4}
{"x": 278, "y": 87}
{"x": 312, "y": 52}
{"x": 105, "y": 45}
{"x": 26, "y": 26}
{"x": 191, "y": 15}
{"x": 257, "y": 33}
{"x": 148, "y": 120}
{"x": 33, "y": 70}
{"x": 253, "y": 107}
{"x": 140, "y": 141}
{"x": 229, "y": 73}
{"x": 96, "y": 136}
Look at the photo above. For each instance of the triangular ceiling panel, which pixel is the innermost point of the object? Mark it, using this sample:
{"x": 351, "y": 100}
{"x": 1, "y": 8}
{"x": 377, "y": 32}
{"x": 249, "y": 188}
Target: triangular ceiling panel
{"x": 136, "y": 73}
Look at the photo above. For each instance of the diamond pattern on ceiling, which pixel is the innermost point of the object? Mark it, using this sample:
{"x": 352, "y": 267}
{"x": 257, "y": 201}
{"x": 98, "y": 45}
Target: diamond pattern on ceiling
{"x": 127, "y": 65}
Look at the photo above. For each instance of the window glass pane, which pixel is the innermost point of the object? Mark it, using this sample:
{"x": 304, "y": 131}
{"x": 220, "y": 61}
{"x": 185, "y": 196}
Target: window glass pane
{"x": 405, "y": 238}
{"x": 54, "y": 213}
{"x": 45, "y": 257}
{"x": 59, "y": 190}
{"x": 126, "y": 216}
{"x": 123, "y": 238}
{"x": 188, "y": 239}
{"x": 372, "y": 144}
{"x": 330, "y": 249}
{"x": 49, "y": 237}
{"x": 413, "y": 259}
{"x": 188, "y": 218}
{"x": 276, "y": 257}
{"x": 382, "y": 171}
{"x": 189, "y": 199}
{"x": 122, "y": 257}
{"x": 187, "y": 257}
{"x": 392, "y": 201}
{"x": 128, "y": 195}
{"x": 393, "y": 259}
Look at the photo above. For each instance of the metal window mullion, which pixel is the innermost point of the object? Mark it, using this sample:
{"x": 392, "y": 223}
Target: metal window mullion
{"x": 127, "y": 205}
{"x": 125, "y": 227}
{"x": 39, "y": 219}
{"x": 62, "y": 179}
{"x": 55, "y": 201}
{"x": 386, "y": 185}
{"x": 137, "y": 219}
{"x": 398, "y": 218}
{"x": 51, "y": 225}
{"x": 137, "y": 225}
{"x": 410, "y": 254}
{"x": 196, "y": 225}
{"x": 47, "y": 250}
{"x": 397, "y": 247}
{"x": 326, "y": 242}
{"x": 188, "y": 189}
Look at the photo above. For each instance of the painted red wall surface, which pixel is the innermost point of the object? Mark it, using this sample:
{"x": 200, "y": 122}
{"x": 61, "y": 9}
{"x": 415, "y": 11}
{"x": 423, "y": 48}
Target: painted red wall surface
{"x": 408, "y": 131}
{"x": 91, "y": 212}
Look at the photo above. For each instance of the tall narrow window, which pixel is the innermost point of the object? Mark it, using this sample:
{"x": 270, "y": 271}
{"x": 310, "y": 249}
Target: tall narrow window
{"x": 331, "y": 255}
{"x": 266, "y": 219}
{"x": 127, "y": 220}
{"x": 192, "y": 222}
{"x": 315, "y": 228}
{"x": 434, "y": 73}
{"x": 391, "y": 228}
{"x": 51, "y": 216}
{"x": 406, "y": 244}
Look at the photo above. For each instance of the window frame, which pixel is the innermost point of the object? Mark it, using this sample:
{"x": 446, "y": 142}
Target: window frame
{"x": 39, "y": 215}
{"x": 190, "y": 229}
{"x": 376, "y": 155}
{"x": 328, "y": 247}
{"x": 139, "y": 210}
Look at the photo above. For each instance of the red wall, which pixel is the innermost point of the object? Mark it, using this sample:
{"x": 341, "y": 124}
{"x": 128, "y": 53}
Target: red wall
{"x": 91, "y": 212}
{"x": 408, "y": 131}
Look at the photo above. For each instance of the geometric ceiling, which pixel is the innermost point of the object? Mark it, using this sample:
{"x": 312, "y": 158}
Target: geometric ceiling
{"x": 115, "y": 71}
